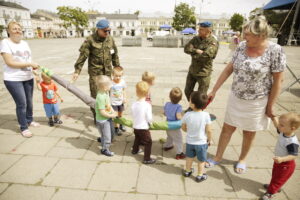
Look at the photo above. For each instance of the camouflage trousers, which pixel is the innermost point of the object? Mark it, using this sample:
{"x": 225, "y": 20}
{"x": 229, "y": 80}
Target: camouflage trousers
{"x": 191, "y": 80}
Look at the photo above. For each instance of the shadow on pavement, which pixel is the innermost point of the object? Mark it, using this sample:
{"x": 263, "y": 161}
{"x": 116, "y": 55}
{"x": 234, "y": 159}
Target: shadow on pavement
{"x": 241, "y": 183}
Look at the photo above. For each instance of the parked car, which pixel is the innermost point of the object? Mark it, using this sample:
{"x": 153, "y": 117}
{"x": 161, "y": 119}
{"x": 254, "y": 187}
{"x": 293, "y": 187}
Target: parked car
{"x": 157, "y": 33}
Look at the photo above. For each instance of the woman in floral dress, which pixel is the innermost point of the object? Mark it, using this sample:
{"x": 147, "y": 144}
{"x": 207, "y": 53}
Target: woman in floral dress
{"x": 257, "y": 67}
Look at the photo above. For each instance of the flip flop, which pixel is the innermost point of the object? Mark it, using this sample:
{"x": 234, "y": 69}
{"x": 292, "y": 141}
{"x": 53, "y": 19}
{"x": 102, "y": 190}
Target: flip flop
{"x": 211, "y": 163}
{"x": 242, "y": 166}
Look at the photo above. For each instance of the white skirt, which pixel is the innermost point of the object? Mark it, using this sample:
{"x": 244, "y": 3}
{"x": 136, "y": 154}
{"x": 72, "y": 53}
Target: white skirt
{"x": 248, "y": 115}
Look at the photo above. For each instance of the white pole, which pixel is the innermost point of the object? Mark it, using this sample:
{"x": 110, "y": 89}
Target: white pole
{"x": 293, "y": 24}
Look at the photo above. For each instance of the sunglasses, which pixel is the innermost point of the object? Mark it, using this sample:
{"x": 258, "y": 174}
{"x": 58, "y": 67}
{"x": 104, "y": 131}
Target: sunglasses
{"x": 106, "y": 31}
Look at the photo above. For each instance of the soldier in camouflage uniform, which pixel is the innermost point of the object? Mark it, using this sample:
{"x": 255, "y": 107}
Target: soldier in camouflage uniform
{"x": 102, "y": 53}
{"x": 203, "y": 49}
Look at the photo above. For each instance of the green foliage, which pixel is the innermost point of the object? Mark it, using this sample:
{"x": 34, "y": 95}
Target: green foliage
{"x": 137, "y": 13}
{"x": 236, "y": 22}
{"x": 184, "y": 17}
{"x": 73, "y": 16}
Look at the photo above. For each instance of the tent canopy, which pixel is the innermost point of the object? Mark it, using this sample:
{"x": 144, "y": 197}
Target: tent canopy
{"x": 188, "y": 31}
{"x": 165, "y": 26}
{"x": 279, "y": 4}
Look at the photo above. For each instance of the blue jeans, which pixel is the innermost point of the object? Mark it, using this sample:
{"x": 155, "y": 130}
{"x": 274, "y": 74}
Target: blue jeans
{"x": 51, "y": 109}
{"x": 22, "y": 92}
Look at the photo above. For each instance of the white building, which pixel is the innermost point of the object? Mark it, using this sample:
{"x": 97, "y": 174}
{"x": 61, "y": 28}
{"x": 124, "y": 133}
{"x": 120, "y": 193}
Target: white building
{"x": 10, "y": 11}
{"x": 56, "y": 26}
{"x": 220, "y": 23}
{"x": 120, "y": 24}
{"x": 152, "y": 21}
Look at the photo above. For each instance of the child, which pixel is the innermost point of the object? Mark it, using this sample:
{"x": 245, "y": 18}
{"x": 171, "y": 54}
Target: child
{"x": 148, "y": 77}
{"x": 50, "y": 94}
{"x": 117, "y": 95}
{"x": 173, "y": 110}
{"x": 104, "y": 113}
{"x": 197, "y": 125}
{"x": 142, "y": 116}
{"x": 286, "y": 151}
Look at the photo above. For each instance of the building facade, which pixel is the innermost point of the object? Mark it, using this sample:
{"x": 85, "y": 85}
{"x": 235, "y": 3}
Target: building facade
{"x": 120, "y": 24}
{"x": 220, "y": 23}
{"x": 10, "y": 11}
{"x": 56, "y": 28}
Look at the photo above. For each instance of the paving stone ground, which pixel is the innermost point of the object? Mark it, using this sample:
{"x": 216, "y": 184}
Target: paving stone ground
{"x": 63, "y": 162}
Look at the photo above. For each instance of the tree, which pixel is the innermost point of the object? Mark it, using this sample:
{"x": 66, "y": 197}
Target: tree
{"x": 73, "y": 16}
{"x": 137, "y": 13}
{"x": 184, "y": 17}
{"x": 236, "y": 22}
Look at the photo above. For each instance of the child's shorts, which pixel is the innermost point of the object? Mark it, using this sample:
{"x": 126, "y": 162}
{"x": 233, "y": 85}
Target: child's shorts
{"x": 51, "y": 109}
{"x": 197, "y": 150}
{"x": 119, "y": 108}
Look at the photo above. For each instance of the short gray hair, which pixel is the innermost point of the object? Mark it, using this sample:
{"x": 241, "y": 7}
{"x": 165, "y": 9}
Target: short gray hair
{"x": 258, "y": 26}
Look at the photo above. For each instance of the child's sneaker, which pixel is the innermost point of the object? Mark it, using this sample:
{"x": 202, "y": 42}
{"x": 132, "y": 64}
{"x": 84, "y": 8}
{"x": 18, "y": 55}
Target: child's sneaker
{"x": 139, "y": 151}
{"x": 180, "y": 156}
{"x": 267, "y": 196}
{"x": 118, "y": 132}
{"x": 168, "y": 148}
{"x": 51, "y": 123}
{"x": 57, "y": 121}
{"x": 151, "y": 161}
{"x": 201, "y": 178}
{"x": 186, "y": 173}
{"x": 107, "y": 152}
{"x": 122, "y": 128}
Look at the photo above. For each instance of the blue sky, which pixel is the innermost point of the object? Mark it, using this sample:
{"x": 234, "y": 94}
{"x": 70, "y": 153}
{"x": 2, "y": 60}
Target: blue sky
{"x": 215, "y": 7}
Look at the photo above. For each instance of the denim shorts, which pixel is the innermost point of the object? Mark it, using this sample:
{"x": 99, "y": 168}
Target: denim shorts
{"x": 197, "y": 150}
{"x": 51, "y": 109}
{"x": 119, "y": 108}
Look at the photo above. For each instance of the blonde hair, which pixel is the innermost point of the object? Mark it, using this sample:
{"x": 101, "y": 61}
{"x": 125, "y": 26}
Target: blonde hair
{"x": 13, "y": 23}
{"x": 149, "y": 77}
{"x": 175, "y": 95}
{"x": 117, "y": 69}
{"x": 258, "y": 26}
{"x": 142, "y": 89}
{"x": 293, "y": 119}
{"x": 102, "y": 80}
{"x": 45, "y": 76}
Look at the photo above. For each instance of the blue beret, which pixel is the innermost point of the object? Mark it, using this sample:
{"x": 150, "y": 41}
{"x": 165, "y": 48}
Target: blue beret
{"x": 205, "y": 24}
{"x": 102, "y": 24}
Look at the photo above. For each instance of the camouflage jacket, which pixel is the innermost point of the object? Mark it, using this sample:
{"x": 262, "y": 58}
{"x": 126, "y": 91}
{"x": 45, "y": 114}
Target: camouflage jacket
{"x": 102, "y": 52}
{"x": 202, "y": 63}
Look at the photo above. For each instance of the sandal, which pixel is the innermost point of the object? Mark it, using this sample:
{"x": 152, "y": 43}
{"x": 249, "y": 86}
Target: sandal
{"x": 57, "y": 121}
{"x": 26, "y": 133}
{"x": 211, "y": 163}
{"x": 201, "y": 178}
{"x": 34, "y": 124}
{"x": 241, "y": 166}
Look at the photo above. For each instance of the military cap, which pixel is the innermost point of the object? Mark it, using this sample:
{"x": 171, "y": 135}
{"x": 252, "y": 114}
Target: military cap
{"x": 102, "y": 24}
{"x": 205, "y": 24}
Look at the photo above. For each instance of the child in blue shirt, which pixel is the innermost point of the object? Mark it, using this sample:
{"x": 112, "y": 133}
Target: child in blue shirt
{"x": 197, "y": 125}
{"x": 172, "y": 111}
